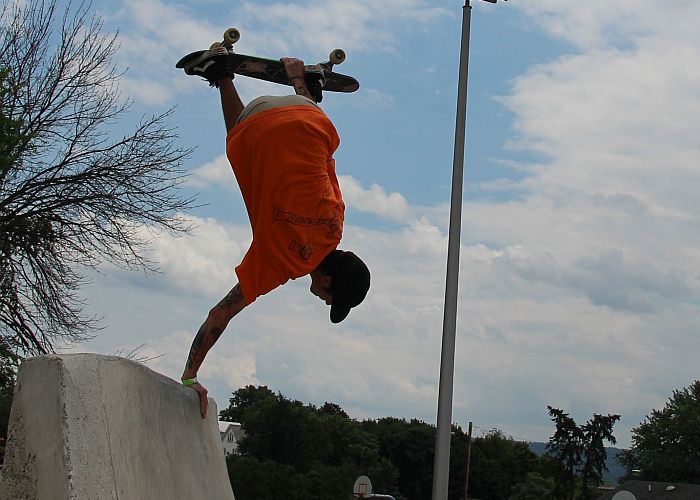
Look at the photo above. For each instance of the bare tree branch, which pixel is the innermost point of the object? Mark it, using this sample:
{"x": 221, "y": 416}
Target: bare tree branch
{"x": 71, "y": 194}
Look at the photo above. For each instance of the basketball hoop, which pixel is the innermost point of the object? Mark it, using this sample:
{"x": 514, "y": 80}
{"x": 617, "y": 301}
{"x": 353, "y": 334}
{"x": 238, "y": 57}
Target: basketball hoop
{"x": 362, "y": 488}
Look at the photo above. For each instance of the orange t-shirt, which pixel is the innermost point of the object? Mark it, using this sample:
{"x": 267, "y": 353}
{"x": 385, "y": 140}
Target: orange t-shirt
{"x": 283, "y": 161}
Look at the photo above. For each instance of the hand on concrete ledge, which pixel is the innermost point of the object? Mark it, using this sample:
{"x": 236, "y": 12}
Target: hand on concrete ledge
{"x": 203, "y": 401}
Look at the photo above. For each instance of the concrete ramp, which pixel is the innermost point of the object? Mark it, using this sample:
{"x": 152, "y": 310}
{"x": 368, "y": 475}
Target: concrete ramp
{"x": 85, "y": 426}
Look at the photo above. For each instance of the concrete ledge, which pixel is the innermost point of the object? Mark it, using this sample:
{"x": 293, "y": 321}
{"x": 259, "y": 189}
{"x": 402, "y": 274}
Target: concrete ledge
{"x": 86, "y": 426}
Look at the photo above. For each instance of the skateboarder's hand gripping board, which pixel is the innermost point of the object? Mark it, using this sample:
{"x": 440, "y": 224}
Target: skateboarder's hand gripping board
{"x": 295, "y": 71}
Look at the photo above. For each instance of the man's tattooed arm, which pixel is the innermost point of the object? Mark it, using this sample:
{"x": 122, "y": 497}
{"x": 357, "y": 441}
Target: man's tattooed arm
{"x": 212, "y": 329}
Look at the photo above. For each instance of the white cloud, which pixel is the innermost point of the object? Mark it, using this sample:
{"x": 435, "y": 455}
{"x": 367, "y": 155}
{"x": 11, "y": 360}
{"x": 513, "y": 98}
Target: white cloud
{"x": 599, "y": 23}
{"x": 375, "y": 200}
{"x": 354, "y": 25}
{"x": 146, "y": 90}
{"x": 217, "y": 172}
{"x": 200, "y": 264}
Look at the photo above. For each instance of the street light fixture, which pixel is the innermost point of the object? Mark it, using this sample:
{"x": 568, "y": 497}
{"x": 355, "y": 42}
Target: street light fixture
{"x": 441, "y": 467}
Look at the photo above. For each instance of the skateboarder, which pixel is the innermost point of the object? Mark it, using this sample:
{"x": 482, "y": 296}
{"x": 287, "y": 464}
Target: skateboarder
{"x": 281, "y": 151}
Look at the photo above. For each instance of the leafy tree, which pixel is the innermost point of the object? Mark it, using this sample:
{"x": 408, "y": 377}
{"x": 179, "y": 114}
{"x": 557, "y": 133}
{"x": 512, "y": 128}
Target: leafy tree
{"x": 312, "y": 453}
{"x": 579, "y": 452}
{"x": 251, "y": 478}
{"x": 333, "y": 409}
{"x": 71, "y": 195}
{"x": 666, "y": 445}
{"x": 535, "y": 487}
{"x": 498, "y": 463}
{"x": 410, "y": 446}
{"x": 595, "y": 431}
{"x": 566, "y": 446}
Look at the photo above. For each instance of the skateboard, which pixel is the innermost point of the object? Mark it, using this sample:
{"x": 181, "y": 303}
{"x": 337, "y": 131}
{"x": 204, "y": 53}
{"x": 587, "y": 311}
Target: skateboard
{"x": 272, "y": 70}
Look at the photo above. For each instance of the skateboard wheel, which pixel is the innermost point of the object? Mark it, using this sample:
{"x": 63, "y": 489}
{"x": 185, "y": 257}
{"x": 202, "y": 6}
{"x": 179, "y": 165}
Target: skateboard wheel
{"x": 215, "y": 45}
{"x": 231, "y": 36}
{"x": 337, "y": 56}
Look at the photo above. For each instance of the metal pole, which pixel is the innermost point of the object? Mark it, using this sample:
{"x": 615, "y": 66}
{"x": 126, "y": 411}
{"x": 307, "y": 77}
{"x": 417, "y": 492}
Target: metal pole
{"x": 466, "y": 468}
{"x": 441, "y": 468}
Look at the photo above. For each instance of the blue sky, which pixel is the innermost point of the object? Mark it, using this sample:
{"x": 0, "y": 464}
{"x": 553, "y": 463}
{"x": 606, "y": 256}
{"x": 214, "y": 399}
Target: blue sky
{"x": 579, "y": 268}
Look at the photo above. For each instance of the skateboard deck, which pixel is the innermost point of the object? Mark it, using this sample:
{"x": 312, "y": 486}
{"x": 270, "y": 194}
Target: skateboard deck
{"x": 272, "y": 70}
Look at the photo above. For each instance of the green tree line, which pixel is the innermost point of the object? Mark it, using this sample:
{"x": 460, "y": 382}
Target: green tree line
{"x": 296, "y": 450}
{"x": 300, "y": 451}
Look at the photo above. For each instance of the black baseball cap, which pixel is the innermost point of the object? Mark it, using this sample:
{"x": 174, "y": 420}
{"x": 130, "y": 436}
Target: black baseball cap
{"x": 349, "y": 282}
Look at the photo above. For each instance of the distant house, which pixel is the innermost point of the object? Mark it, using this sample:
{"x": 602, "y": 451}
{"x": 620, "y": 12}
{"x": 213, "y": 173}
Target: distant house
{"x": 231, "y": 433}
{"x": 648, "y": 490}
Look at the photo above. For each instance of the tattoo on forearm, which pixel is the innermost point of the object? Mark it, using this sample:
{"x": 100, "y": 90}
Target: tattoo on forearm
{"x": 233, "y": 297}
{"x": 197, "y": 344}
{"x": 206, "y": 337}
{"x": 209, "y": 333}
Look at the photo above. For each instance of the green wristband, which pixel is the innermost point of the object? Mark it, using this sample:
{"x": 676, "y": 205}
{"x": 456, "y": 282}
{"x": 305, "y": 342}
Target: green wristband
{"x": 189, "y": 381}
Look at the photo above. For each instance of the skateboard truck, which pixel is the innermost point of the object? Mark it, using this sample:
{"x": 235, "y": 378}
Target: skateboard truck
{"x": 337, "y": 56}
{"x": 231, "y": 36}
